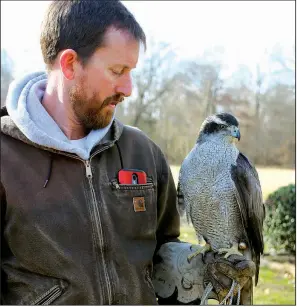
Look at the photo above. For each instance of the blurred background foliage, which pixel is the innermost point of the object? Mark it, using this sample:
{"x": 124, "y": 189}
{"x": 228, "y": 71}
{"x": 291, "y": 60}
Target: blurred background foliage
{"x": 280, "y": 221}
{"x": 172, "y": 97}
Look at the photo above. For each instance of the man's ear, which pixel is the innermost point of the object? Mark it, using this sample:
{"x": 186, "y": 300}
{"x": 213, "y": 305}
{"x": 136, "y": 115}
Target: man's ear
{"x": 68, "y": 62}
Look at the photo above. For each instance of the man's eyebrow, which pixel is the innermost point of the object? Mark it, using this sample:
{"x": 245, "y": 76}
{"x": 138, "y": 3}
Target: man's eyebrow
{"x": 124, "y": 66}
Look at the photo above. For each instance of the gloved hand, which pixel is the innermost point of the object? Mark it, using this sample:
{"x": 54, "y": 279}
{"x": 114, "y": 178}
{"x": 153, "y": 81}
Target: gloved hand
{"x": 178, "y": 281}
{"x": 224, "y": 273}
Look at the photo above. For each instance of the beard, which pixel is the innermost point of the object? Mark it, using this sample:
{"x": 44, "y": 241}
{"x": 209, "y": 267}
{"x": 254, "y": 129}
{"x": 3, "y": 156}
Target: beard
{"x": 92, "y": 112}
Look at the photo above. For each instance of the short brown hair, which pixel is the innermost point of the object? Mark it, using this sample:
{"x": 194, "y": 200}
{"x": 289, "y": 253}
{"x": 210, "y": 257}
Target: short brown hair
{"x": 81, "y": 25}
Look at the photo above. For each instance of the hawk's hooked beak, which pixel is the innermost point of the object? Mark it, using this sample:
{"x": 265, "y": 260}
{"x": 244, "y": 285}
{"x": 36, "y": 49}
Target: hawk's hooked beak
{"x": 236, "y": 133}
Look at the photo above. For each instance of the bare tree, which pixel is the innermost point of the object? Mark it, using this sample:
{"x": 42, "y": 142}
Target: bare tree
{"x": 151, "y": 82}
{"x": 287, "y": 63}
{"x": 259, "y": 85}
{"x": 278, "y": 141}
{"x": 257, "y": 127}
{"x": 172, "y": 99}
{"x": 205, "y": 84}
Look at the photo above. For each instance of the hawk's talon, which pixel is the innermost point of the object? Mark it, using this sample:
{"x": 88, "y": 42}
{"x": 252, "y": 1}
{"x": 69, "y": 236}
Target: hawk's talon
{"x": 230, "y": 251}
{"x": 201, "y": 250}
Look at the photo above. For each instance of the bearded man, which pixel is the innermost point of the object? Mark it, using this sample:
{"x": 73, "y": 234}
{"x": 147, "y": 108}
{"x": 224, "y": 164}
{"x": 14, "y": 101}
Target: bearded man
{"x": 75, "y": 230}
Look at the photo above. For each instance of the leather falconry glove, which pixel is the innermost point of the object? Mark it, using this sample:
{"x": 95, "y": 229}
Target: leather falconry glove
{"x": 178, "y": 281}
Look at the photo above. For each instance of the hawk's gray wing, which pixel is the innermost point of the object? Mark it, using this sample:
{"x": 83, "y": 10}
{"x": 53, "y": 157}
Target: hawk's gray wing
{"x": 180, "y": 202}
{"x": 249, "y": 198}
{"x": 181, "y": 207}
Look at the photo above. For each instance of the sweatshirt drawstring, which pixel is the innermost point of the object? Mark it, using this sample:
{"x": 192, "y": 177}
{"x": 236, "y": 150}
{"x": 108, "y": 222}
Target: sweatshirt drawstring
{"x": 49, "y": 171}
{"x": 51, "y": 165}
{"x": 120, "y": 154}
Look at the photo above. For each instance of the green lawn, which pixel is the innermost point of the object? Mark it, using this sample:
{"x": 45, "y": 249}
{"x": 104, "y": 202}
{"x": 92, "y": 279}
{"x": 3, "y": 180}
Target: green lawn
{"x": 274, "y": 288}
{"x": 276, "y": 284}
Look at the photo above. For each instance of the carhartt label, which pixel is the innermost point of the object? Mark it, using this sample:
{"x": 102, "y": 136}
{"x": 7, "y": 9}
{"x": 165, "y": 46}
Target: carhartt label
{"x": 139, "y": 204}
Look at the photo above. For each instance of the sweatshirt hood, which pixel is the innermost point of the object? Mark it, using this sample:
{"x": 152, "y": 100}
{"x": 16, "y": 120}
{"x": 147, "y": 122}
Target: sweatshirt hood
{"x": 24, "y": 106}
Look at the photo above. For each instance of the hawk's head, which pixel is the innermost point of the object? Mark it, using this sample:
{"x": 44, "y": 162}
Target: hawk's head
{"x": 223, "y": 125}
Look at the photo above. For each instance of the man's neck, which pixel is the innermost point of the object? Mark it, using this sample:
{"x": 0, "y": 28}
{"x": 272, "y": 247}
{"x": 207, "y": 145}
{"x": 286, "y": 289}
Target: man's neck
{"x": 61, "y": 112}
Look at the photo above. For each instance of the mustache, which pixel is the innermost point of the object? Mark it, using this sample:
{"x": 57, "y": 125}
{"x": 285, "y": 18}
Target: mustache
{"x": 115, "y": 99}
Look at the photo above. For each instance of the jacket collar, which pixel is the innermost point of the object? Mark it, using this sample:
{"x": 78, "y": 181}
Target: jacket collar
{"x": 8, "y": 127}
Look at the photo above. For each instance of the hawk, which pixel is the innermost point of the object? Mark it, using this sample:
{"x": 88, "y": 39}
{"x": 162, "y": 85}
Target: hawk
{"x": 220, "y": 192}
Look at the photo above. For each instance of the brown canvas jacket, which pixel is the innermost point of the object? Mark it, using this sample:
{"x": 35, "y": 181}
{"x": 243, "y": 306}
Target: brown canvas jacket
{"x": 71, "y": 234}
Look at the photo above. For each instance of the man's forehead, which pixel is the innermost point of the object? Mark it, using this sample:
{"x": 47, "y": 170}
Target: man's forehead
{"x": 114, "y": 35}
{"x": 120, "y": 47}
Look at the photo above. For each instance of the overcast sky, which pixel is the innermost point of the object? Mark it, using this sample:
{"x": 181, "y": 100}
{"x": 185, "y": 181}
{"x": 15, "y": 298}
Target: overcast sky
{"x": 246, "y": 30}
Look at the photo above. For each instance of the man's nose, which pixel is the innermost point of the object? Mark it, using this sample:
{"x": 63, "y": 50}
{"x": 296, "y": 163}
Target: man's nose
{"x": 125, "y": 86}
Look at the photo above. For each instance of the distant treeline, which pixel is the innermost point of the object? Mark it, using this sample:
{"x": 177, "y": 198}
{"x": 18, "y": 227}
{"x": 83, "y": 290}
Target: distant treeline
{"x": 171, "y": 99}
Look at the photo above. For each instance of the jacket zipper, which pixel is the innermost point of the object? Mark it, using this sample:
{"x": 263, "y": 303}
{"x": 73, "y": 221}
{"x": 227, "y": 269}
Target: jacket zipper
{"x": 149, "y": 280}
{"x": 98, "y": 226}
{"x": 89, "y": 176}
{"x": 48, "y": 297}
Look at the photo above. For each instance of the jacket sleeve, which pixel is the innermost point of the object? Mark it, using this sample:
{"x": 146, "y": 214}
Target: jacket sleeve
{"x": 170, "y": 260}
{"x": 168, "y": 227}
{"x": 3, "y": 245}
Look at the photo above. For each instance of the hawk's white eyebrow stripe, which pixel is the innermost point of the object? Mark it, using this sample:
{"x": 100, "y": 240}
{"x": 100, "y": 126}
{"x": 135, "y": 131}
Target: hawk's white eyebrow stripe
{"x": 213, "y": 118}
{"x": 217, "y": 120}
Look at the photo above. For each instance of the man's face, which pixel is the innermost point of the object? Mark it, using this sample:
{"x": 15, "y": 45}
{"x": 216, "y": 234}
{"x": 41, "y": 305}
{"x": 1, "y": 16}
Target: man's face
{"x": 105, "y": 80}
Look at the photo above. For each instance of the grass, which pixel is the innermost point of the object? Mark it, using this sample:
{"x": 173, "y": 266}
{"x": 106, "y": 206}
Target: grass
{"x": 276, "y": 284}
{"x": 271, "y": 178}
{"x": 275, "y": 287}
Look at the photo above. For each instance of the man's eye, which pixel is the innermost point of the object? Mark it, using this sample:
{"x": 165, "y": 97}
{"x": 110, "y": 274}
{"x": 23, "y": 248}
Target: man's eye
{"x": 117, "y": 73}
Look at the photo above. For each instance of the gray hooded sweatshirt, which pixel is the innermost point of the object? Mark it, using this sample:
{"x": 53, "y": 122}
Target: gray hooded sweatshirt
{"x": 24, "y": 105}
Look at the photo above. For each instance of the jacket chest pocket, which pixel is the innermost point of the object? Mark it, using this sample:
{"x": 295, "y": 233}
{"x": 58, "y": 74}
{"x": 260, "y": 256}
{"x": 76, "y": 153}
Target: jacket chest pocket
{"x": 135, "y": 206}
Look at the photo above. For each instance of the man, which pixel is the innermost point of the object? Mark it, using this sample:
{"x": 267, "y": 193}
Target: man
{"x": 72, "y": 232}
